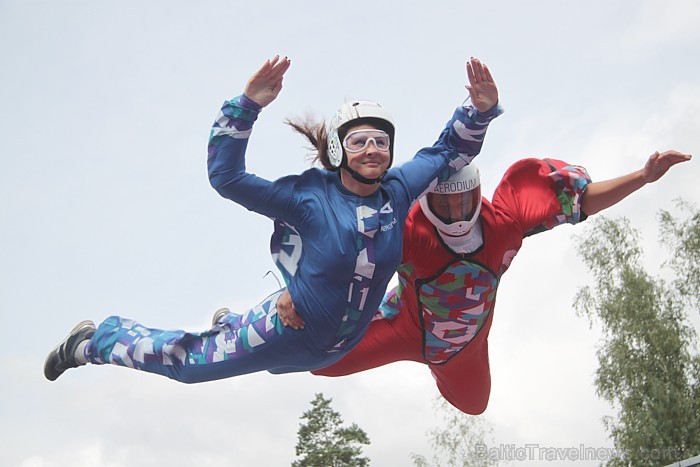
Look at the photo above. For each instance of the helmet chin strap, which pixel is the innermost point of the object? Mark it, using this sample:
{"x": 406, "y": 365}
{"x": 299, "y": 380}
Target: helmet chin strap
{"x": 466, "y": 243}
{"x": 360, "y": 178}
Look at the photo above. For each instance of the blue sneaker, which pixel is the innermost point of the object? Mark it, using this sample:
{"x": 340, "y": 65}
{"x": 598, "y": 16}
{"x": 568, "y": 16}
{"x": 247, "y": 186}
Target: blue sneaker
{"x": 63, "y": 356}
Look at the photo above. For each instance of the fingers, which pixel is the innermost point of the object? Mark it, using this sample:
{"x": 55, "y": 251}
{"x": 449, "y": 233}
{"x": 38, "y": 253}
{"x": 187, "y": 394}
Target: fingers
{"x": 278, "y": 68}
{"x": 287, "y": 312}
{"x": 296, "y": 323}
{"x": 669, "y": 158}
{"x": 477, "y": 72}
{"x": 265, "y": 85}
{"x": 273, "y": 69}
{"x": 487, "y": 74}
{"x": 470, "y": 73}
{"x": 265, "y": 68}
{"x": 291, "y": 319}
{"x": 482, "y": 88}
{"x": 675, "y": 155}
{"x": 659, "y": 163}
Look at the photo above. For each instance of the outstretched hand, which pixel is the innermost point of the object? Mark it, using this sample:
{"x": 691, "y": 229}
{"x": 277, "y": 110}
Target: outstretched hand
{"x": 265, "y": 85}
{"x": 482, "y": 88}
{"x": 659, "y": 163}
{"x": 601, "y": 195}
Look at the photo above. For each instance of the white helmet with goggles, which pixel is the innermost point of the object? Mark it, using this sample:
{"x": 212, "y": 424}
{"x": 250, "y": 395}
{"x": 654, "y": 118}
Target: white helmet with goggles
{"x": 453, "y": 206}
{"x": 357, "y": 112}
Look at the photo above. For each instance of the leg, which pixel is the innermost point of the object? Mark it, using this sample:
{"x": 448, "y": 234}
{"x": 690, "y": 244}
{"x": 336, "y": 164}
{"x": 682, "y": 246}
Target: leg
{"x": 465, "y": 380}
{"x": 386, "y": 341}
{"x": 238, "y": 344}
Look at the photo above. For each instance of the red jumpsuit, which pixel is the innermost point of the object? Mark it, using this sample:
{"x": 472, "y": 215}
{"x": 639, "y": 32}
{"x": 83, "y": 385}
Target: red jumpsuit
{"x": 441, "y": 311}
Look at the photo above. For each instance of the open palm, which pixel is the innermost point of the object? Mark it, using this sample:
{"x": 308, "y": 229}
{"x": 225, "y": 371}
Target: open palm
{"x": 659, "y": 163}
{"x": 482, "y": 88}
{"x": 265, "y": 85}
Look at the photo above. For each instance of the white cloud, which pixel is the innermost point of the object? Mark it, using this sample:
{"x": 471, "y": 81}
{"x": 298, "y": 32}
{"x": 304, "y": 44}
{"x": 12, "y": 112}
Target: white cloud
{"x": 35, "y": 461}
{"x": 658, "y": 24}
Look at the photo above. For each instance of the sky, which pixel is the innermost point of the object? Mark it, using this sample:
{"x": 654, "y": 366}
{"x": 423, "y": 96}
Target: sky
{"x": 105, "y": 205}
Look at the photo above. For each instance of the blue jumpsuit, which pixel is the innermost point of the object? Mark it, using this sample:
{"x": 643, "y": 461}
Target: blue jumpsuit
{"x": 350, "y": 248}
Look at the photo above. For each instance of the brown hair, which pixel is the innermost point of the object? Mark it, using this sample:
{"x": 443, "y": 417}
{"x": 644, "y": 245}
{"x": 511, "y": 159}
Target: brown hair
{"x": 317, "y": 135}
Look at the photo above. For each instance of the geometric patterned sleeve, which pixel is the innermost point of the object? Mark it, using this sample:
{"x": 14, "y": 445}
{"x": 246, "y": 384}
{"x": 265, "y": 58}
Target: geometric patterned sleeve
{"x": 235, "y": 120}
{"x": 458, "y": 144}
{"x": 393, "y": 301}
{"x": 570, "y": 182}
{"x": 228, "y": 142}
{"x": 540, "y": 194}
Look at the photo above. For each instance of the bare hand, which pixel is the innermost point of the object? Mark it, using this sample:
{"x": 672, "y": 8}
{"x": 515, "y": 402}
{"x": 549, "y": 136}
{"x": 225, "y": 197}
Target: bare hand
{"x": 287, "y": 312}
{"x": 659, "y": 163}
{"x": 482, "y": 88}
{"x": 265, "y": 85}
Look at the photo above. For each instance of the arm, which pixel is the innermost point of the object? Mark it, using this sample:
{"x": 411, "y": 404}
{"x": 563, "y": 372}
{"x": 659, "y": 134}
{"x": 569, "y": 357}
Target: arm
{"x": 228, "y": 141}
{"x": 602, "y": 195}
{"x": 540, "y": 194}
{"x": 462, "y": 138}
{"x": 470, "y": 122}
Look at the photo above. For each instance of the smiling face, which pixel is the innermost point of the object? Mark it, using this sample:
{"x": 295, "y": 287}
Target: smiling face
{"x": 372, "y": 160}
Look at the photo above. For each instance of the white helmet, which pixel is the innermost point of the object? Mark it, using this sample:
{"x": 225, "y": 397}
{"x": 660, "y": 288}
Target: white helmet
{"x": 350, "y": 112}
{"x": 453, "y": 206}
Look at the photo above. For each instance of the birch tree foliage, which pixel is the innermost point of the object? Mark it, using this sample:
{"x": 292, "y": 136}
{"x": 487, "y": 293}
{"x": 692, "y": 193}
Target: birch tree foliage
{"x": 649, "y": 369}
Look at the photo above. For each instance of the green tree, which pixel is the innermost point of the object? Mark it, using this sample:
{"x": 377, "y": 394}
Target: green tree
{"x": 682, "y": 237}
{"x": 323, "y": 442}
{"x": 459, "y": 442}
{"x": 648, "y": 369}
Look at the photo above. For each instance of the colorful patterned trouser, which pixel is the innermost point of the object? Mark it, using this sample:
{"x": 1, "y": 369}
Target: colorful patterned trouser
{"x": 238, "y": 344}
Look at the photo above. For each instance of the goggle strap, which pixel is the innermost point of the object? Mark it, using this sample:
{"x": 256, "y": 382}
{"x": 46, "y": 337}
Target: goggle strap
{"x": 360, "y": 178}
